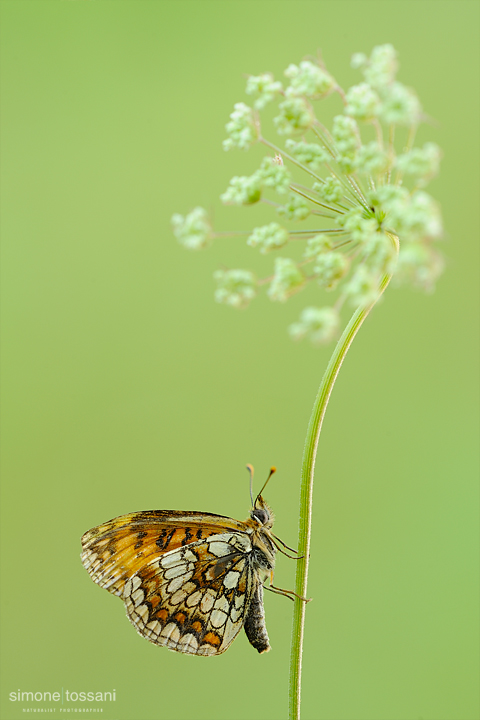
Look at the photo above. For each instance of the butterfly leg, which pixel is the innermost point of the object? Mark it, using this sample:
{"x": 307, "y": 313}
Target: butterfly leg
{"x": 287, "y": 593}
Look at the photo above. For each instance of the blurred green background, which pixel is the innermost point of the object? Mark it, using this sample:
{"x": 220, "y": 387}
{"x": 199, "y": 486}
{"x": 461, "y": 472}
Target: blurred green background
{"x": 125, "y": 387}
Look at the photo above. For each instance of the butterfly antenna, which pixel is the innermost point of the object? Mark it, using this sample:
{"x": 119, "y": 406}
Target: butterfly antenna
{"x": 250, "y": 470}
{"x": 272, "y": 470}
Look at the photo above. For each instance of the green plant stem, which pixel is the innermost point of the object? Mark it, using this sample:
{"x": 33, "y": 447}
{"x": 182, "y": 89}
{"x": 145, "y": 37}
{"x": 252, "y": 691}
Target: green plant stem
{"x": 306, "y": 496}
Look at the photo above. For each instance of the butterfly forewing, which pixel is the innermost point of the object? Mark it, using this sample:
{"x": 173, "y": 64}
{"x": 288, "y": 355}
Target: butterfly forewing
{"x": 114, "y": 551}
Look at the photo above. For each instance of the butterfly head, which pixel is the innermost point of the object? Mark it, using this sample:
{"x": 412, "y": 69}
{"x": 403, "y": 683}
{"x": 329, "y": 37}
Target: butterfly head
{"x": 262, "y": 513}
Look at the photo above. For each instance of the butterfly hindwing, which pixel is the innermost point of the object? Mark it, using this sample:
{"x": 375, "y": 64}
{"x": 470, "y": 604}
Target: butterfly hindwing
{"x": 194, "y": 599}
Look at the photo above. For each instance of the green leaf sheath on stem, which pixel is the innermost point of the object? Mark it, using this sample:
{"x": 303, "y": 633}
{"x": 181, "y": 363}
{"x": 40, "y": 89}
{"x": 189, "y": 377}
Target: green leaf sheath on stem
{"x": 306, "y": 494}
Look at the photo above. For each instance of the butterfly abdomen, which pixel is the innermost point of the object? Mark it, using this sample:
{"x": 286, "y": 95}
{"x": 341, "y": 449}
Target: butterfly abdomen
{"x": 255, "y": 627}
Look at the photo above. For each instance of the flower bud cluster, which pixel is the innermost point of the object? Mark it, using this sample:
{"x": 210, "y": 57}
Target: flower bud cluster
{"x": 193, "y": 231}
{"x": 296, "y": 115}
{"x": 388, "y": 100}
{"x": 241, "y": 130}
{"x": 269, "y": 237}
{"x": 312, "y": 155}
{"x": 235, "y": 287}
{"x": 263, "y": 88}
{"x": 309, "y": 80}
{"x": 287, "y": 280}
{"x": 295, "y": 208}
{"x": 320, "y": 325}
{"x": 360, "y": 198}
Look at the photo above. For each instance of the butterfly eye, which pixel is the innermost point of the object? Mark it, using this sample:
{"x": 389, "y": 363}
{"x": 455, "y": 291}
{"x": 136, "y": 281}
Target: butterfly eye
{"x": 260, "y": 515}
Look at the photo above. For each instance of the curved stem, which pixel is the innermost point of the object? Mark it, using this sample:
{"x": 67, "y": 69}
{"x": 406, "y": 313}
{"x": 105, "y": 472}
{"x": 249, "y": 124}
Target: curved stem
{"x": 306, "y": 496}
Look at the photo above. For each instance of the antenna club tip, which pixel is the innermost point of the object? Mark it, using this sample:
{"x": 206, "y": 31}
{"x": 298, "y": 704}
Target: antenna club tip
{"x": 249, "y": 467}
{"x": 273, "y": 469}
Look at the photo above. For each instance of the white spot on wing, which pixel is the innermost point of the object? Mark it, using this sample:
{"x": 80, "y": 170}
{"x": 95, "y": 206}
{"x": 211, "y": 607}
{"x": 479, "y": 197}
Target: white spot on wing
{"x": 206, "y": 650}
{"x": 194, "y": 598}
{"x": 239, "y": 601}
{"x": 220, "y": 549}
{"x": 236, "y": 613}
{"x": 138, "y": 596}
{"x": 207, "y": 602}
{"x": 142, "y": 611}
{"x": 154, "y": 627}
{"x": 231, "y": 631}
{"x": 189, "y": 556}
{"x": 222, "y": 604}
{"x": 231, "y": 579}
{"x": 171, "y": 559}
{"x": 218, "y": 618}
{"x": 177, "y": 583}
{"x": 188, "y": 644}
{"x": 136, "y": 582}
{"x": 178, "y": 596}
{"x": 177, "y": 570}
{"x": 170, "y": 633}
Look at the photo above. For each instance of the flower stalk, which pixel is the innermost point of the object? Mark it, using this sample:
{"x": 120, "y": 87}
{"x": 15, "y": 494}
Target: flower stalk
{"x": 306, "y": 490}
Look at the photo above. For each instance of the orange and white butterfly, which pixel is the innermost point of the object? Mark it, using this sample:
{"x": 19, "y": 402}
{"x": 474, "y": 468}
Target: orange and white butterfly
{"x": 189, "y": 580}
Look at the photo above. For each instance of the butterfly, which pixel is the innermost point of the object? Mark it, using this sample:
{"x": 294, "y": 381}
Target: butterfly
{"x": 189, "y": 580}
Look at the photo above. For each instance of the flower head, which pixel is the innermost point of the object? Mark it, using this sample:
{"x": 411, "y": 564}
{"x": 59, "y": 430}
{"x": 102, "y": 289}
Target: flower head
{"x": 317, "y": 245}
{"x": 329, "y": 190}
{"x": 360, "y": 213}
{"x": 419, "y": 265}
{"x": 235, "y": 287}
{"x": 263, "y": 88}
{"x": 363, "y": 102}
{"x": 312, "y": 155}
{"x": 320, "y": 325}
{"x": 380, "y": 69}
{"x": 363, "y": 288}
{"x": 330, "y": 268}
{"x": 287, "y": 280}
{"x": 371, "y": 159}
{"x": 309, "y": 80}
{"x": 421, "y": 163}
{"x": 193, "y": 231}
{"x": 269, "y": 237}
{"x": 243, "y": 191}
{"x": 274, "y": 174}
{"x": 296, "y": 115}
{"x": 400, "y": 106}
{"x": 241, "y": 130}
{"x": 295, "y": 208}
